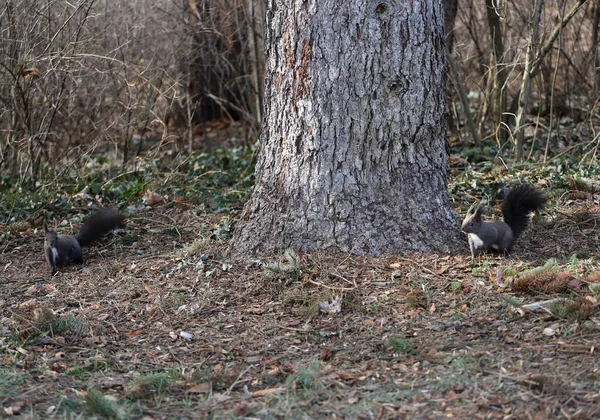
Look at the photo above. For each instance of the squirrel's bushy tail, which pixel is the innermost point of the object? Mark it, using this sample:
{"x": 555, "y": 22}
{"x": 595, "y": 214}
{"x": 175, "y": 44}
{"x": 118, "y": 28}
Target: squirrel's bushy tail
{"x": 99, "y": 224}
{"x": 519, "y": 202}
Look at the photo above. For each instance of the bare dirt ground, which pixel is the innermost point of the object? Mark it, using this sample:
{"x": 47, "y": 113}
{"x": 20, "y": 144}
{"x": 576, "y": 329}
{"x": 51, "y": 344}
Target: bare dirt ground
{"x": 157, "y": 324}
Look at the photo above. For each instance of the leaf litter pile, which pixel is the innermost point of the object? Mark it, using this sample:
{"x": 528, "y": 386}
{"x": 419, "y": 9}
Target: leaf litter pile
{"x": 159, "y": 324}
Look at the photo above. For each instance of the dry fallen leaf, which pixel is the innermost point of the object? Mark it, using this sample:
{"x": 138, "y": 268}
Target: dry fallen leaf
{"x": 22, "y": 351}
{"x": 442, "y": 270}
{"x": 451, "y": 396}
{"x": 344, "y": 375}
{"x": 151, "y": 198}
{"x": 132, "y": 333}
{"x": 202, "y": 388}
{"x": 499, "y": 280}
{"x": 333, "y": 307}
{"x": 326, "y": 355}
{"x": 498, "y": 400}
{"x": 28, "y": 304}
{"x": 594, "y": 277}
{"x": 551, "y": 330}
{"x": 41, "y": 289}
{"x": 270, "y": 391}
{"x": 13, "y": 410}
{"x": 255, "y": 310}
{"x": 30, "y": 72}
{"x": 240, "y": 409}
{"x": 253, "y": 359}
{"x": 274, "y": 371}
{"x": 95, "y": 340}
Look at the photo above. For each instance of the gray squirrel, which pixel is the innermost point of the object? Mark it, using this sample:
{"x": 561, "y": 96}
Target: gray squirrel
{"x": 501, "y": 235}
{"x": 62, "y": 249}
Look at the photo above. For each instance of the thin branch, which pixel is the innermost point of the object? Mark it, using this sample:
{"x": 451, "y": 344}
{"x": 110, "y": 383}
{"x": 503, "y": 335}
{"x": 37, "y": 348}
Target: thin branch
{"x": 463, "y": 97}
{"x": 555, "y": 32}
{"x": 527, "y": 75}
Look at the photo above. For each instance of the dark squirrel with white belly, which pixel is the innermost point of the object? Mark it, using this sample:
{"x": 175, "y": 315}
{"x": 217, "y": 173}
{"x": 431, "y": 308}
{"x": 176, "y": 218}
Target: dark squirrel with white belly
{"x": 62, "y": 249}
{"x": 501, "y": 235}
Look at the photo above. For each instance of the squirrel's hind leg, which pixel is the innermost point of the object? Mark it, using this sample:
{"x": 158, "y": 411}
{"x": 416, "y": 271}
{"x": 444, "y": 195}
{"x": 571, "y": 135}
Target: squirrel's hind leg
{"x": 76, "y": 255}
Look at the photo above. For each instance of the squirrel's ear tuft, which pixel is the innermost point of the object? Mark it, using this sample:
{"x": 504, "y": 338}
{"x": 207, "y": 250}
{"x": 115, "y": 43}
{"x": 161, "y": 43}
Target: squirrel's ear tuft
{"x": 472, "y": 209}
{"x": 479, "y": 211}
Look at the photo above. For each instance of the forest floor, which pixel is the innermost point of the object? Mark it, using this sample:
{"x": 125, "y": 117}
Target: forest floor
{"x": 157, "y": 324}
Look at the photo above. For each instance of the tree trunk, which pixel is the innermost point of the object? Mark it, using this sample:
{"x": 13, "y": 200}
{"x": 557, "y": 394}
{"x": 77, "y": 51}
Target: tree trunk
{"x": 353, "y": 154}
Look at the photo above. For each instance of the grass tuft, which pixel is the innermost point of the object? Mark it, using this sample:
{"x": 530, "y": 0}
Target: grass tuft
{"x": 579, "y": 309}
{"x": 401, "y": 345}
{"x": 155, "y": 385}
{"x": 306, "y": 378}
{"x": 8, "y": 384}
{"x": 545, "y": 279}
{"x": 97, "y": 404}
{"x": 68, "y": 323}
{"x": 290, "y": 266}
{"x": 37, "y": 319}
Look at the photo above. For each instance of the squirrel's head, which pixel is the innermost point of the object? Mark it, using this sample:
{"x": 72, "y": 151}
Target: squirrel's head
{"x": 51, "y": 236}
{"x": 473, "y": 219}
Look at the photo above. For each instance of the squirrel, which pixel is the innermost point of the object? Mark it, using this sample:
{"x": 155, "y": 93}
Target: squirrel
{"x": 501, "y": 235}
{"x": 62, "y": 249}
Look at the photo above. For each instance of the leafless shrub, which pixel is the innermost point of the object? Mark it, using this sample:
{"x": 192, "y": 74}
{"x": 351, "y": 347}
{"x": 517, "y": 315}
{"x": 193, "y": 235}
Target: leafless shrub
{"x": 117, "y": 76}
{"x": 78, "y": 76}
{"x": 564, "y": 78}
{"x": 223, "y": 64}
{"x": 36, "y": 74}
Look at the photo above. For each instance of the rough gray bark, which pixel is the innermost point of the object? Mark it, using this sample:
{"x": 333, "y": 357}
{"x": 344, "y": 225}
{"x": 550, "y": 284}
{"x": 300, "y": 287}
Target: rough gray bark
{"x": 352, "y": 152}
